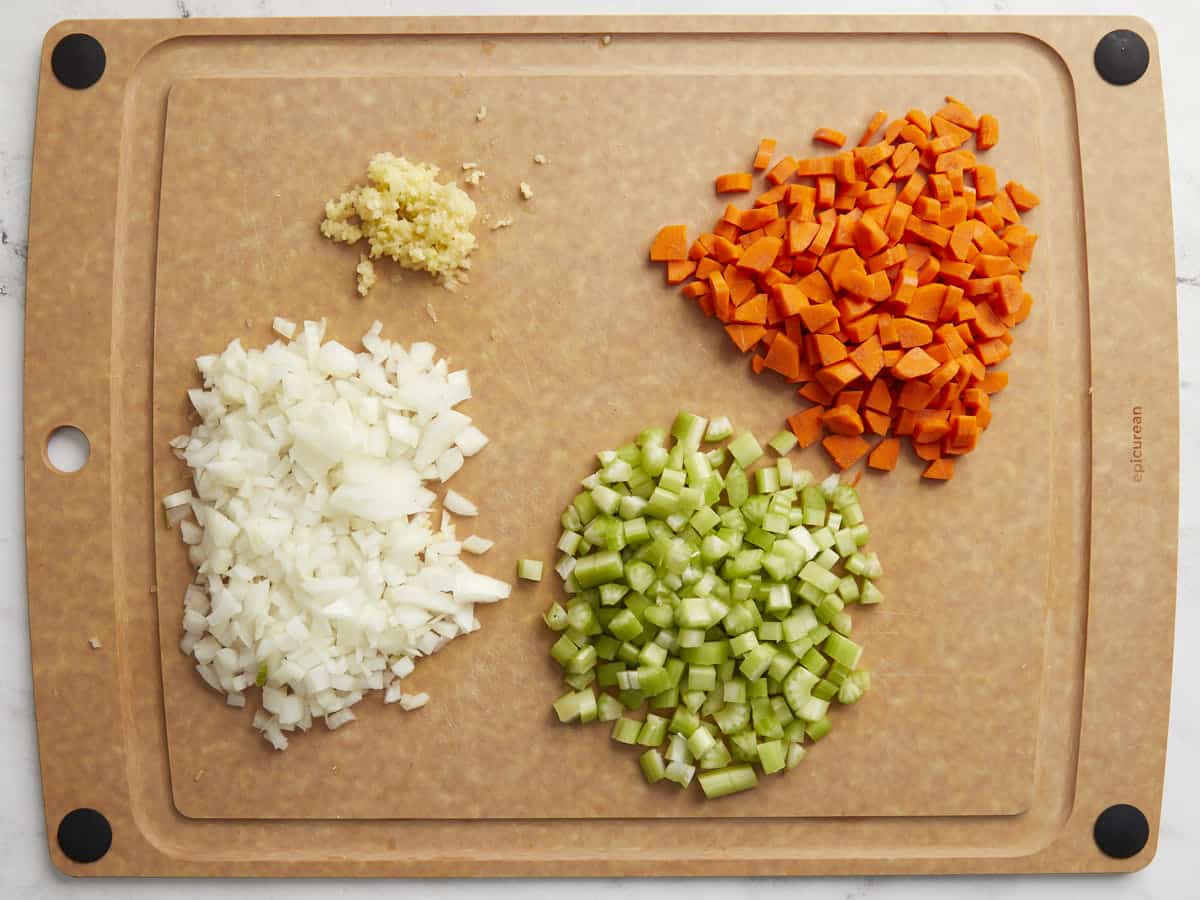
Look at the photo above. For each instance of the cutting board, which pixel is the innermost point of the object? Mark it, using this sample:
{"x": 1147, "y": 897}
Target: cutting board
{"x": 1021, "y": 662}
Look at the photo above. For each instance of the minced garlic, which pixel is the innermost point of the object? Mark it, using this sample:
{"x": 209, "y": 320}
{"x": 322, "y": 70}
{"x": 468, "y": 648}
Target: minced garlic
{"x": 407, "y": 215}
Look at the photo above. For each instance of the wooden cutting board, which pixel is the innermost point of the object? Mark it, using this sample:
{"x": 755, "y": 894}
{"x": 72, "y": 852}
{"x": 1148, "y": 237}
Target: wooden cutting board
{"x": 1022, "y": 660}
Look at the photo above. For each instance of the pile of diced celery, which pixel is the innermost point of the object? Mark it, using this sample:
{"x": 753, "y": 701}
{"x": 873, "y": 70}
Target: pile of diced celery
{"x": 714, "y": 595}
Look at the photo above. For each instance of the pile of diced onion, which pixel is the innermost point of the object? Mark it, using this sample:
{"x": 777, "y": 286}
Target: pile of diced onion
{"x": 322, "y": 569}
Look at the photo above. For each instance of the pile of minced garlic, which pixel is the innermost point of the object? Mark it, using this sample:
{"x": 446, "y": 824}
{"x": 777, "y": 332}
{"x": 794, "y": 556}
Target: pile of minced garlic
{"x": 407, "y": 215}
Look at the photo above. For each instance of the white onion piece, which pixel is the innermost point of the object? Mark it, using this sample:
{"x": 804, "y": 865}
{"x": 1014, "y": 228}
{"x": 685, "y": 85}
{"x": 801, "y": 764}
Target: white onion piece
{"x": 477, "y": 545}
{"x": 320, "y": 575}
{"x": 459, "y": 505}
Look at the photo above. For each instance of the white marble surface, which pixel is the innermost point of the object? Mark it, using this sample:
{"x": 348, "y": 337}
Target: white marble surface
{"x": 25, "y": 870}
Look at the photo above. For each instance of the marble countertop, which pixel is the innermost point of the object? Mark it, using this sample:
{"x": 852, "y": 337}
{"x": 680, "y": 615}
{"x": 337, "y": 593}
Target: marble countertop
{"x": 25, "y": 869}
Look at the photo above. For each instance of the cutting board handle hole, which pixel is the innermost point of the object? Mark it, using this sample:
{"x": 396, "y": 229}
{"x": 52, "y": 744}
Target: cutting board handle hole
{"x": 67, "y": 449}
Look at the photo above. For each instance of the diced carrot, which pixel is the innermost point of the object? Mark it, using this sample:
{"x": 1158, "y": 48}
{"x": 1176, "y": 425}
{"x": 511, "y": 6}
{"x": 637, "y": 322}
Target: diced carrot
{"x": 868, "y": 356}
{"x": 784, "y": 357}
{"x": 989, "y": 132}
{"x": 1010, "y": 294}
{"x": 789, "y": 298}
{"x": 806, "y": 425}
{"x": 1023, "y": 311}
{"x": 782, "y": 171}
{"x": 762, "y": 159}
{"x": 939, "y": 469}
{"x": 817, "y": 315}
{"x": 670, "y": 244}
{"x": 919, "y": 119}
{"x": 913, "y": 364}
{"x": 915, "y": 395}
{"x": 800, "y": 235}
{"x": 835, "y": 377}
{"x": 822, "y": 165}
{"x": 955, "y": 273}
{"x": 928, "y": 208}
{"x": 985, "y": 182}
{"x": 722, "y": 304}
{"x": 940, "y": 352}
{"x": 815, "y": 392}
{"x": 927, "y": 232}
{"x": 927, "y": 452}
{"x": 877, "y": 422}
{"x": 951, "y": 339}
{"x": 885, "y": 454}
{"x": 992, "y": 352}
{"x": 873, "y": 126}
{"x": 760, "y": 255}
{"x": 758, "y": 217}
{"x": 829, "y": 349}
{"x": 1002, "y": 203}
{"x": 986, "y": 323}
{"x": 734, "y": 182}
{"x": 824, "y": 233}
{"x": 869, "y": 237}
{"x": 772, "y": 195}
{"x": 912, "y": 188}
{"x": 1022, "y": 198}
{"x": 994, "y": 266}
{"x": 930, "y": 269}
{"x": 707, "y": 266}
{"x": 744, "y": 337}
{"x": 926, "y": 302}
{"x": 927, "y": 431}
{"x": 944, "y": 373}
{"x": 753, "y": 311}
{"x": 887, "y": 286}
{"x": 960, "y": 114}
{"x": 964, "y": 433}
{"x": 860, "y": 329}
{"x": 972, "y": 365}
{"x": 845, "y": 450}
{"x": 829, "y": 136}
{"x": 905, "y": 285}
{"x": 912, "y": 333}
{"x": 842, "y": 420}
{"x": 888, "y": 334}
{"x": 892, "y": 256}
{"x": 726, "y": 251}
{"x": 679, "y": 270}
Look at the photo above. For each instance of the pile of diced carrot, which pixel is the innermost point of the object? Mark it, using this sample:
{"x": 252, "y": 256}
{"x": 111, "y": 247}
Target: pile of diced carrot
{"x": 883, "y": 280}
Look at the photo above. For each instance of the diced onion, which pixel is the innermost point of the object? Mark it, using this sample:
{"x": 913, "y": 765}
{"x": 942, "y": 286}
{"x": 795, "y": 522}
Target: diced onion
{"x": 319, "y": 573}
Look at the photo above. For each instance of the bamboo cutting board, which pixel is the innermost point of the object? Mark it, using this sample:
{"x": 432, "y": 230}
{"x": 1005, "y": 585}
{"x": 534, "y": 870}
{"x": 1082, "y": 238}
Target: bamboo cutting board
{"x": 1022, "y": 660}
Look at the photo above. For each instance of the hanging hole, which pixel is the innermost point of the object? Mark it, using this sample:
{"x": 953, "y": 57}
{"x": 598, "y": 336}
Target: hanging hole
{"x": 67, "y": 449}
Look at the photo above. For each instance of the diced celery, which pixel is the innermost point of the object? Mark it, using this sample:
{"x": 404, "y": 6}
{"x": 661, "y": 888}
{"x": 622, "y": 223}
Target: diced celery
{"x": 652, "y": 766}
{"x": 737, "y": 485}
{"x": 772, "y": 756}
{"x": 855, "y": 685}
{"x": 745, "y": 449}
{"x": 653, "y": 731}
{"x": 754, "y": 665}
{"x": 625, "y": 731}
{"x": 819, "y": 729}
{"x": 870, "y": 594}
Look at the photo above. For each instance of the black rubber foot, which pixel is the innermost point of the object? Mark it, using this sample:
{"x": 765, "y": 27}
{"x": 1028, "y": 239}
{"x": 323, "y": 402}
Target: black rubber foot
{"x": 84, "y": 835}
{"x": 1121, "y": 831}
{"x": 78, "y": 61}
{"x": 1122, "y": 57}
